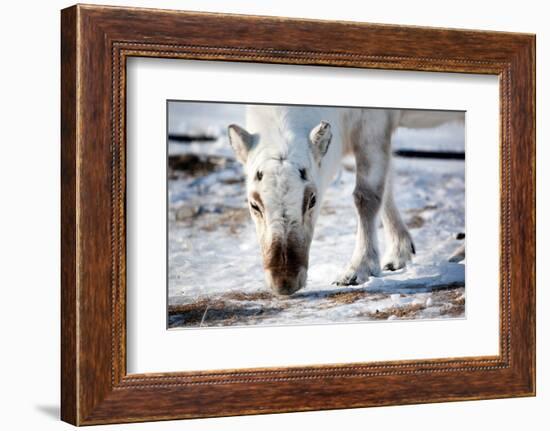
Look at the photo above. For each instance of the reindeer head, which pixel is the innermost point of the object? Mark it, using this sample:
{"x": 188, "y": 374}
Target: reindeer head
{"x": 282, "y": 185}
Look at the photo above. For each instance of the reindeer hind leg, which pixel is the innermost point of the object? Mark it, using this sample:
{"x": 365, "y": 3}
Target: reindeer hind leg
{"x": 399, "y": 244}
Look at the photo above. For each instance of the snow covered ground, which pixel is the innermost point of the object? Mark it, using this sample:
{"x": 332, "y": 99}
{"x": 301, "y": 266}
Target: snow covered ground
{"x": 215, "y": 271}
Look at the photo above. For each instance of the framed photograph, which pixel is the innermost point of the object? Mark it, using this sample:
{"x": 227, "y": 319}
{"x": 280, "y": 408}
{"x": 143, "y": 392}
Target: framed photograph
{"x": 265, "y": 215}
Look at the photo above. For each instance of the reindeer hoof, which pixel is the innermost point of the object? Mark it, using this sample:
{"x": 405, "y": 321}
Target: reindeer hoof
{"x": 350, "y": 278}
{"x": 389, "y": 267}
{"x": 400, "y": 254}
{"x": 395, "y": 265}
{"x": 352, "y": 282}
{"x": 347, "y": 282}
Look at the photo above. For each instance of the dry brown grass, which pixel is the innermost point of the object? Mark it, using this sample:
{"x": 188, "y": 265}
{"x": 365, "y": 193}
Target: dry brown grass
{"x": 231, "y": 218}
{"x": 218, "y": 313}
{"x": 400, "y": 312}
{"x": 253, "y": 296}
{"x": 415, "y": 222}
{"x": 351, "y": 296}
{"x": 246, "y": 308}
{"x": 195, "y": 165}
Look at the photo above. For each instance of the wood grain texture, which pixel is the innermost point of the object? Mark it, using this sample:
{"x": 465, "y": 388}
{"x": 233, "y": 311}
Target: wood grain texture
{"x": 68, "y": 218}
{"x": 96, "y": 41}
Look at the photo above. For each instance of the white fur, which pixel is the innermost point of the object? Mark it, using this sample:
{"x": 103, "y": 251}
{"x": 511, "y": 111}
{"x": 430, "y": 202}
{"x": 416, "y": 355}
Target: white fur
{"x": 282, "y": 141}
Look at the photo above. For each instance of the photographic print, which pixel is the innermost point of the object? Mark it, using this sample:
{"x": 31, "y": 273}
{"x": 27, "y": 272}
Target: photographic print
{"x": 294, "y": 214}
{"x": 275, "y": 198}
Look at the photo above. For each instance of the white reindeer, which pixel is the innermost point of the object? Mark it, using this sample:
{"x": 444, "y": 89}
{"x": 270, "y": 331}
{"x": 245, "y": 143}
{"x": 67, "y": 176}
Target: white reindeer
{"x": 290, "y": 155}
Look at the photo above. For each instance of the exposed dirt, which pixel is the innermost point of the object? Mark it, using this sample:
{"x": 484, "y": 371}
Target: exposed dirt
{"x": 253, "y": 296}
{"x": 240, "y": 308}
{"x": 218, "y": 313}
{"x": 195, "y": 165}
{"x": 415, "y": 222}
{"x": 350, "y": 296}
{"x": 210, "y": 219}
{"x": 401, "y": 312}
{"x": 231, "y": 218}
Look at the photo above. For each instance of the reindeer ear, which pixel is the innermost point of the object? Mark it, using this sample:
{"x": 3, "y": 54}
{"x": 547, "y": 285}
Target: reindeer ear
{"x": 319, "y": 140}
{"x": 241, "y": 141}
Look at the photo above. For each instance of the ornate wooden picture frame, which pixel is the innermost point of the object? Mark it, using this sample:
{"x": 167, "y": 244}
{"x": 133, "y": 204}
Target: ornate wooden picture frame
{"x": 96, "y": 41}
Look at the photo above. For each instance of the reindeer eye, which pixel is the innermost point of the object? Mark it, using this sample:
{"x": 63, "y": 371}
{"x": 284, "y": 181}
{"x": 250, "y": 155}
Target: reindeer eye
{"x": 312, "y": 202}
{"x": 255, "y": 208}
{"x": 259, "y": 175}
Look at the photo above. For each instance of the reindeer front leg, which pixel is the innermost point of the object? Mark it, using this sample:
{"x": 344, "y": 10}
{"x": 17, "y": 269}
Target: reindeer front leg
{"x": 365, "y": 260}
{"x": 368, "y": 194}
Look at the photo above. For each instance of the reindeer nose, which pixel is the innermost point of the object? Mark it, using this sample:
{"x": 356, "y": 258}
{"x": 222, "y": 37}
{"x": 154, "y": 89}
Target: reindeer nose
{"x": 285, "y": 284}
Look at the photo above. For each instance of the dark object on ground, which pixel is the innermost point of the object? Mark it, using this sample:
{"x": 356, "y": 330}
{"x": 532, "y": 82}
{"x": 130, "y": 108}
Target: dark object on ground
{"x": 190, "y": 138}
{"x": 460, "y": 235}
{"x": 430, "y": 154}
{"x": 195, "y": 165}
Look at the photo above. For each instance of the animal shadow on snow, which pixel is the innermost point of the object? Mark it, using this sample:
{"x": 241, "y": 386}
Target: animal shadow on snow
{"x": 384, "y": 285}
